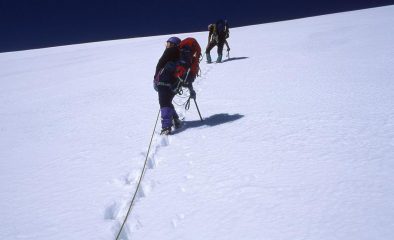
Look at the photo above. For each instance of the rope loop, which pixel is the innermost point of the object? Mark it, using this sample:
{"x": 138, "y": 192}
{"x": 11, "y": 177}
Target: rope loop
{"x": 187, "y": 104}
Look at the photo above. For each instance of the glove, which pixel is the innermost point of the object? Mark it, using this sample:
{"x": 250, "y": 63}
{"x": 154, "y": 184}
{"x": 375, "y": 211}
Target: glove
{"x": 228, "y": 49}
{"x": 192, "y": 94}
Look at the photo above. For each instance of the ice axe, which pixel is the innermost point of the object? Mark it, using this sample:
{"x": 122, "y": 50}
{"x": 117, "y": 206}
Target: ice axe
{"x": 198, "y": 110}
{"x": 187, "y": 106}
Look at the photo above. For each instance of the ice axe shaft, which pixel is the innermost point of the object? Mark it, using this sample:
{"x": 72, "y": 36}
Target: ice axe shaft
{"x": 198, "y": 110}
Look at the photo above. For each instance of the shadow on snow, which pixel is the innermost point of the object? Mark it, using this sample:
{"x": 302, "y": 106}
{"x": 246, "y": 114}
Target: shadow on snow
{"x": 234, "y": 58}
{"x": 211, "y": 121}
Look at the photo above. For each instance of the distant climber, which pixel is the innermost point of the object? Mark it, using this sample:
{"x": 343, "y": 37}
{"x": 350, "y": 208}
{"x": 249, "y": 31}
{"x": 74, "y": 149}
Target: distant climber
{"x": 218, "y": 33}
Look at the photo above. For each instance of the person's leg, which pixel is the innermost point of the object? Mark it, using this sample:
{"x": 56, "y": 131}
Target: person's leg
{"x": 166, "y": 108}
{"x": 220, "y": 50}
{"x": 176, "y": 121}
{"x": 175, "y": 113}
{"x": 211, "y": 45}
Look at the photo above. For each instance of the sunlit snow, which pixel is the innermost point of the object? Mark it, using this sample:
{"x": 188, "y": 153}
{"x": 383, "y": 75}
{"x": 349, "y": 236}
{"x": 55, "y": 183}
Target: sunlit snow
{"x": 297, "y": 141}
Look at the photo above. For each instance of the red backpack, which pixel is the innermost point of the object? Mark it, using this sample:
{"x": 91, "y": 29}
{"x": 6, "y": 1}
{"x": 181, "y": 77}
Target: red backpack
{"x": 188, "y": 65}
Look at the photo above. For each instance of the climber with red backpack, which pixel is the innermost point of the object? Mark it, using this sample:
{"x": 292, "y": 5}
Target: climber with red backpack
{"x": 177, "y": 68}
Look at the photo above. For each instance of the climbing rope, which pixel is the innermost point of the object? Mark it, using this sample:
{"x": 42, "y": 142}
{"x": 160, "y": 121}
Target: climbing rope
{"x": 139, "y": 180}
{"x": 187, "y": 104}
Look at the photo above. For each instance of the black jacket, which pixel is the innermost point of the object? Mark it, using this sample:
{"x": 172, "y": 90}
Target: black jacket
{"x": 170, "y": 55}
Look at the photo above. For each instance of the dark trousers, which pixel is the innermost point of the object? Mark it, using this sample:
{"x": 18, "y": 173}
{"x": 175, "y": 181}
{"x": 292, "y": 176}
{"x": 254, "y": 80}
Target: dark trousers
{"x": 219, "y": 43}
{"x": 166, "y": 95}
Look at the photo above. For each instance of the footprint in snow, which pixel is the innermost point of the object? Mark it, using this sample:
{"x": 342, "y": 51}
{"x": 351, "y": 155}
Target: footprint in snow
{"x": 188, "y": 177}
{"x": 112, "y": 211}
{"x": 145, "y": 189}
{"x": 163, "y": 141}
{"x": 175, "y": 221}
{"x": 152, "y": 163}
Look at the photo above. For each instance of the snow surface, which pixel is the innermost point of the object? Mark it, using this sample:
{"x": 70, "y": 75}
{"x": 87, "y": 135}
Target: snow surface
{"x": 297, "y": 142}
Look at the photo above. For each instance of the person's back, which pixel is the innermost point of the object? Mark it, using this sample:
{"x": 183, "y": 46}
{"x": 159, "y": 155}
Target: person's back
{"x": 221, "y": 28}
{"x": 170, "y": 54}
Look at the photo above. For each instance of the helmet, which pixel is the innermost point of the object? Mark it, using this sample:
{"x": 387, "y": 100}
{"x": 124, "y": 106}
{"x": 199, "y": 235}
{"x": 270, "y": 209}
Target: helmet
{"x": 174, "y": 40}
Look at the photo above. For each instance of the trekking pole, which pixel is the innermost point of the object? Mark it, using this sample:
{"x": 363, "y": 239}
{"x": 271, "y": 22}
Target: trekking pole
{"x": 228, "y": 53}
{"x": 198, "y": 110}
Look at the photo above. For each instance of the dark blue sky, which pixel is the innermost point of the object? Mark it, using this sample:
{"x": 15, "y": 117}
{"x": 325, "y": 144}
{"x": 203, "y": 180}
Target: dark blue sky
{"x": 27, "y": 24}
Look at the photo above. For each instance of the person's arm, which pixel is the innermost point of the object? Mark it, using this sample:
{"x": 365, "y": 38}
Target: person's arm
{"x": 162, "y": 61}
{"x": 209, "y": 36}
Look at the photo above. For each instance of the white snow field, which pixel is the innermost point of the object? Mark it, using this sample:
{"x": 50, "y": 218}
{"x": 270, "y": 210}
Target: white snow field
{"x": 297, "y": 141}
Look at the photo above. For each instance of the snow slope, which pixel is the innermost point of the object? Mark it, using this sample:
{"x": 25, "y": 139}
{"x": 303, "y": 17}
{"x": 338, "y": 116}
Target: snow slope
{"x": 297, "y": 142}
